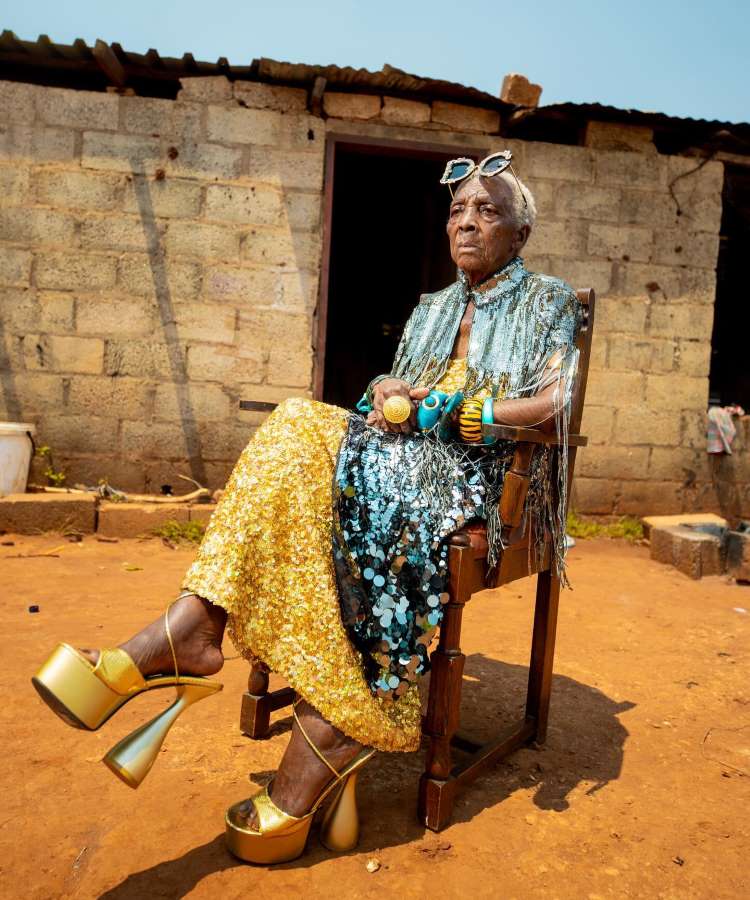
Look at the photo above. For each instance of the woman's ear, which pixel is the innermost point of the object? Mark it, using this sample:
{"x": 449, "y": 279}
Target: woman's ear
{"x": 522, "y": 235}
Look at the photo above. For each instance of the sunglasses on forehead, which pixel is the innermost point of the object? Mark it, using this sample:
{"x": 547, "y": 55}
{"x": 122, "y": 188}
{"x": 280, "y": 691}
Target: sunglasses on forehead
{"x": 458, "y": 169}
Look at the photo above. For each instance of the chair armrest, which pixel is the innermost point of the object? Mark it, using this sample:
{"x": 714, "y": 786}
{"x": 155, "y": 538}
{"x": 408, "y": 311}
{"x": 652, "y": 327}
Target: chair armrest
{"x": 258, "y": 405}
{"x": 531, "y": 435}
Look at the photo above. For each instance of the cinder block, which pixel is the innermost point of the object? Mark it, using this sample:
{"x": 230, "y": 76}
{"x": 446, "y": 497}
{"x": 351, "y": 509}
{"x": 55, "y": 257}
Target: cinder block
{"x": 205, "y": 88}
{"x": 594, "y": 496}
{"x": 63, "y": 353}
{"x": 465, "y": 118}
{"x": 36, "y": 513}
{"x": 657, "y": 428}
{"x": 257, "y": 95}
{"x": 17, "y": 101}
{"x": 246, "y": 285}
{"x": 652, "y": 522}
{"x": 121, "y": 152}
{"x": 139, "y": 357}
{"x": 167, "y": 197}
{"x": 567, "y": 163}
{"x": 14, "y": 184}
{"x": 692, "y": 552}
{"x": 202, "y": 160}
{"x": 78, "y": 189}
{"x": 675, "y": 247}
{"x": 201, "y": 512}
{"x": 228, "y": 365}
{"x": 36, "y": 226}
{"x": 254, "y": 205}
{"x": 37, "y": 143}
{"x": 15, "y": 266}
{"x": 617, "y": 136}
{"x": 118, "y": 232}
{"x": 235, "y": 125}
{"x": 287, "y": 168}
{"x": 77, "y": 109}
{"x": 666, "y": 392}
{"x": 630, "y": 170}
{"x": 74, "y": 271}
{"x": 198, "y": 239}
{"x": 277, "y": 246}
{"x": 405, "y": 112}
{"x": 738, "y": 555}
{"x": 113, "y": 316}
{"x": 303, "y": 210}
{"x": 137, "y": 275}
{"x": 518, "y": 90}
{"x": 350, "y": 106}
{"x": 620, "y": 241}
{"x": 129, "y": 520}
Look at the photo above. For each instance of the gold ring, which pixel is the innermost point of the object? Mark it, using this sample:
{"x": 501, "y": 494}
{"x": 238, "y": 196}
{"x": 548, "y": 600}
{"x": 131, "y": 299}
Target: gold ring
{"x": 396, "y": 410}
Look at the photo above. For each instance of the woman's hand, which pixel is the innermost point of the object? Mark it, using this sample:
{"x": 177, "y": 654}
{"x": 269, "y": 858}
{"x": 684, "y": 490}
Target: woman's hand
{"x": 395, "y": 387}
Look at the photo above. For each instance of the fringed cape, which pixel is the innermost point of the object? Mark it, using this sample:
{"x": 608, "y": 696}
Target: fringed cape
{"x": 397, "y": 498}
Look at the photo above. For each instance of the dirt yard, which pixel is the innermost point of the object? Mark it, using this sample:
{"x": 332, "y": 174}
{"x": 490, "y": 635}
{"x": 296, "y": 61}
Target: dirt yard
{"x": 639, "y": 791}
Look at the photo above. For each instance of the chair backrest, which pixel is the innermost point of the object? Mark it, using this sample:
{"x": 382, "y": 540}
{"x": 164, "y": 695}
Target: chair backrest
{"x": 587, "y": 299}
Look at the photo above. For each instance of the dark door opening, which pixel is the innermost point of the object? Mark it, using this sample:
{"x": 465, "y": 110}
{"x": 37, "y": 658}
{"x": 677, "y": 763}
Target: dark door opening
{"x": 730, "y": 361}
{"x": 388, "y": 245}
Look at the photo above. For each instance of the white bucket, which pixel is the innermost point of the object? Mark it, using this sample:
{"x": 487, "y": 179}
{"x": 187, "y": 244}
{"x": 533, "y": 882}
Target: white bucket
{"x": 15, "y": 456}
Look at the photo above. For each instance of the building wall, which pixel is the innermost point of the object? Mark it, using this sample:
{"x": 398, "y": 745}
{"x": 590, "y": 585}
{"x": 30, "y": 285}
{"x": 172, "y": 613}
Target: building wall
{"x": 160, "y": 260}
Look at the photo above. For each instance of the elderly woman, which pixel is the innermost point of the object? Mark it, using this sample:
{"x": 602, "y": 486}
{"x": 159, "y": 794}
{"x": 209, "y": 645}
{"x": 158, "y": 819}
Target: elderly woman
{"x": 326, "y": 557}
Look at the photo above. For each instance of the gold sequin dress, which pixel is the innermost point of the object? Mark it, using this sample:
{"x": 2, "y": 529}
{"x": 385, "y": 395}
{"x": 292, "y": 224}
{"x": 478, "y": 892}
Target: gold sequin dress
{"x": 266, "y": 559}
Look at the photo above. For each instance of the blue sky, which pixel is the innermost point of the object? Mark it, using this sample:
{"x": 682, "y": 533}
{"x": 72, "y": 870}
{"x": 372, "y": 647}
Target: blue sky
{"x": 682, "y": 58}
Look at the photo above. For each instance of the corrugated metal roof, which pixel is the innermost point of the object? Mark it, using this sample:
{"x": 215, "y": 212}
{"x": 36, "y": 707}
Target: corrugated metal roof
{"x": 149, "y": 74}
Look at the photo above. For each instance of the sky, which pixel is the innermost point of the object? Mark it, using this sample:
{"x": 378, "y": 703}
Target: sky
{"x": 681, "y": 58}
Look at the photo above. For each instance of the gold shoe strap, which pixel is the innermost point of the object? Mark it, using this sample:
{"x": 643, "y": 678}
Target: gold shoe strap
{"x": 118, "y": 671}
{"x": 171, "y": 642}
{"x": 307, "y": 737}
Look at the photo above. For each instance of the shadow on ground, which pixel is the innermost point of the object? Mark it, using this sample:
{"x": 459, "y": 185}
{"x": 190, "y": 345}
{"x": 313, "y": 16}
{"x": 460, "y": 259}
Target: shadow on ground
{"x": 585, "y": 745}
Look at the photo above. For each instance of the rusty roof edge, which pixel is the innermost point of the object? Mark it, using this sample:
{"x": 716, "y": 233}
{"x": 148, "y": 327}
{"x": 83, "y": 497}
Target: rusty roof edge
{"x": 44, "y": 53}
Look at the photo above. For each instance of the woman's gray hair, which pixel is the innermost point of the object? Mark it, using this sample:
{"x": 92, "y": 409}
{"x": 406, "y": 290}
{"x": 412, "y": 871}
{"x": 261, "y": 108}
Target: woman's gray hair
{"x": 523, "y": 213}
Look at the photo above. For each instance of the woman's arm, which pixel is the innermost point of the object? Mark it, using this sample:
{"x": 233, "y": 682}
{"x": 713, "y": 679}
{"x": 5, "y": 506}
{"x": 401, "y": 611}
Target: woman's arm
{"x": 530, "y": 412}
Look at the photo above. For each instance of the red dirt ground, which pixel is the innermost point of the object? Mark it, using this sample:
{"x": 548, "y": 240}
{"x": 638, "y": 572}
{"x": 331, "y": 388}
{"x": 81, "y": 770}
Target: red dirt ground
{"x": 629, "y": 797}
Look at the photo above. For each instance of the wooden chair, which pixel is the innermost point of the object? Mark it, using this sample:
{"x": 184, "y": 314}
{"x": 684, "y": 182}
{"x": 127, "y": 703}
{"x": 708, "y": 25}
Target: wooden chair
{"x": 467, "y": 566}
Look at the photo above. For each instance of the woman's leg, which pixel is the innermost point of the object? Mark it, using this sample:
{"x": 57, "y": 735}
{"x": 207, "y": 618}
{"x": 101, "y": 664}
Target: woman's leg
{"x": 197, "y": 629}
{"x": 301, "y": 776}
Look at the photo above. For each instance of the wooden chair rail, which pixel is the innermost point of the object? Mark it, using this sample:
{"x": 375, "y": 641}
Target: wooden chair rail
{"x": 531, "y": 435}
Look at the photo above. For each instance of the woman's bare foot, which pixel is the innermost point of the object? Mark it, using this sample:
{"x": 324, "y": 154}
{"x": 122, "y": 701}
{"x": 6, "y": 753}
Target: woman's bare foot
{"x": 301, "y": 776}
{"x": 197, "y": 628}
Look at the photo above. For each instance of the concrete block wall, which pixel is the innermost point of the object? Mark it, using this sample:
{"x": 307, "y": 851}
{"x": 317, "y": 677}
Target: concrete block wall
{"x": 160, "y": 259}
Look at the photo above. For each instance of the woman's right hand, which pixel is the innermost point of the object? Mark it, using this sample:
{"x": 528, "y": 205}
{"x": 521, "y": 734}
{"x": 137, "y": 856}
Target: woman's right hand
{"x": 395, "y": 387}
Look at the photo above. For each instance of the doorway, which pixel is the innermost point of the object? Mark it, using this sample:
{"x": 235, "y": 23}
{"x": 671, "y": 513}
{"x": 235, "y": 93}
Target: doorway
{"x": 730, "y": 361}
{"x": 387, "y": 246}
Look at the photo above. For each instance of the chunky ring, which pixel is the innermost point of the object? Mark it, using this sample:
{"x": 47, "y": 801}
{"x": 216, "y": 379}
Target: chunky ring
{"x": 470, "y": 421}
{"x": 396, "y": 410}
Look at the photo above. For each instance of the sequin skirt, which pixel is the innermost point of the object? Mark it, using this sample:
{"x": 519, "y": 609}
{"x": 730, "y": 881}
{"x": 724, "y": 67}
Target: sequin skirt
{"x": 266, "y": 559}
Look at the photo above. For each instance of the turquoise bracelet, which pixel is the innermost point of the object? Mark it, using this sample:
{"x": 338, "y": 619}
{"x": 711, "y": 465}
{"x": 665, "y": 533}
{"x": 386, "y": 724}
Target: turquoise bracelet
{"x": 488, "y": 418}
{"x": 365, "y": 404}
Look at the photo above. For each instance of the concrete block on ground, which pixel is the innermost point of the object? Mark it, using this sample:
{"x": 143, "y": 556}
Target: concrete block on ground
{"x": 694, "y": 553}
{"x": 650, "y": 522}
{"x": 738, "y": 555}
{"x": 201, "y": 512}
{"x": 37, "y": 513}
{"x": 129, "y": 520}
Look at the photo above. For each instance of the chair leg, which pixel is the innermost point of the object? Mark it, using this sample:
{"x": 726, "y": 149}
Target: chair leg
{"x": 436, "y": 788}
{"x": 542, "y": 652}
{"x": 255, "y": 715}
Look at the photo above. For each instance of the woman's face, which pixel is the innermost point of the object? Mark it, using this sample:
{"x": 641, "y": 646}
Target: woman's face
{"x": 483, "y": 236}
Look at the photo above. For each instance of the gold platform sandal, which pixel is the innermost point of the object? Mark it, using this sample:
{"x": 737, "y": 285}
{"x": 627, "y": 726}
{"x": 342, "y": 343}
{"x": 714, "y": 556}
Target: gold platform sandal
{"x": 282, "y": 837}
{"x": 86, "y": 696}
